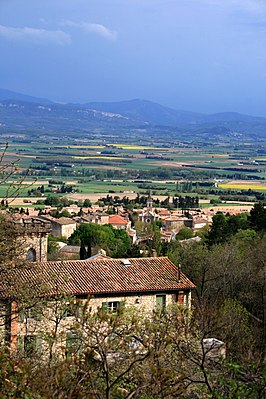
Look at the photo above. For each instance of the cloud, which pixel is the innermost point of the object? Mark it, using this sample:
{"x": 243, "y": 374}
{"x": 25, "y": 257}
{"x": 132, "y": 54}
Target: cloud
{"x": 99, "y": 29}
{"x": 35, "y": 35}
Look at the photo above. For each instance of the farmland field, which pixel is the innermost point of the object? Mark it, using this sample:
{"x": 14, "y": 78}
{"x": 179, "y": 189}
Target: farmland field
{"x": 236, "y": 185}
{"x": 107, "y": 164}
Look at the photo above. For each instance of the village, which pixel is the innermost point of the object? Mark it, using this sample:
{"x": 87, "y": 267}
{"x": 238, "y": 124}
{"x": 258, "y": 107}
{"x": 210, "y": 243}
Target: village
{"x": 149, "y": 281}
{"x": 134, "y": 221}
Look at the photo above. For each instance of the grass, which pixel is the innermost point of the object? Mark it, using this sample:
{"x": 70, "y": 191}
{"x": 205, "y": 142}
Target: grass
{"x": 109, "y": 158}
{"x": 101, "y": 147}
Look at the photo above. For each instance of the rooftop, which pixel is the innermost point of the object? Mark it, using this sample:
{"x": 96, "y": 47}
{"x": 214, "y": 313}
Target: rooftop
{"x": 101, "y": 276}
{"x": 117, "y": 219}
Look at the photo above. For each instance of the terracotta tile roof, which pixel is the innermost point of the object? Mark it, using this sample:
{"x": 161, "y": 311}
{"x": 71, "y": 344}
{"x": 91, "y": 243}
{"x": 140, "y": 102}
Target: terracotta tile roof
{"x": 117, "y": 219}
{"x": 100, "y": 277}
{"x": 164, "y": 212}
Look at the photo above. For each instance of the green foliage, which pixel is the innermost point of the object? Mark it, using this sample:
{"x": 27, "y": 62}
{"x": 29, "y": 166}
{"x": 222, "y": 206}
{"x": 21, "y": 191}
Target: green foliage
{"x": 114, "y": 241}
{"x": 128, "y": 354}
{"x": 257, "y": 219}
{"x": 184, "y": 234}
{"x": 86, "y": 203}
{"x": 225, "y": 226}
{"x": 56, "y": 201}
{"x": 230, "y": 290}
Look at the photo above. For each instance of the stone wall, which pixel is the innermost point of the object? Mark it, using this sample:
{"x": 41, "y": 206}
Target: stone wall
{"x": 27, "y": 324}
{"x": 39, "y": 243}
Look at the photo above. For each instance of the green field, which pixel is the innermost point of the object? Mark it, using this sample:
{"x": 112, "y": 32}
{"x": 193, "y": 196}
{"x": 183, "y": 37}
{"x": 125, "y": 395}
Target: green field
{"x": 91, "y": 165}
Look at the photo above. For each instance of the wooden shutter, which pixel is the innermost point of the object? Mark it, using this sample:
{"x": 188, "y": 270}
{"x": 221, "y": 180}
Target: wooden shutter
{"x": 160, "y": 301}
{"x": 105, "y": 307}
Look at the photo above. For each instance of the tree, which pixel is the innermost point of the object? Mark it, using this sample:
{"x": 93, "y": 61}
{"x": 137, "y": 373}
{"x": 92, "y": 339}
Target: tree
{"x": 116, "y": 242}
{"x": 257, "y": 218}
{"x": 127, "y": 354}
{"x": 184, "y": 234}
{"x": 83, "y": 252}
{"x": 86, "y": 203}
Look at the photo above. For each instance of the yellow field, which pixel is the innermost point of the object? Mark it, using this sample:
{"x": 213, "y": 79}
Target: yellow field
{"x": 243, "y": 186}
{"x": 137, "y": 147}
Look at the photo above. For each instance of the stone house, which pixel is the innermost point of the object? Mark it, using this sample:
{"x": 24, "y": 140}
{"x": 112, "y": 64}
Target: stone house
{"x": 62, "y": 227}
{"x": 173, "y": 222}
{"x": 199, "y": 223}
{"x": 96, "y": 217}
{"x": 106, "y": 283}
{"x": 70, "y": 251}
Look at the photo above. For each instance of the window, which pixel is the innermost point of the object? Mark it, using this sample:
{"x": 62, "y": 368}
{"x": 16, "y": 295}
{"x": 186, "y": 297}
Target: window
{"x": 186, "y": 299}
{"x": 29, "y": 344}
{"x": 73, "y": 343}
{"x": 34, "y": 313}
{"x": 160, "y": 302}
{"x": 67, "y": 310}
{"x": 112, "y": 307}
{"x": 31, "y": 255}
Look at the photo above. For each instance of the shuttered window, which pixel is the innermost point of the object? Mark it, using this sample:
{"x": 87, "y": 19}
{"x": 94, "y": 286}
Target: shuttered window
{"x": 160, "y": 302}
{"x": 73, "y": 343}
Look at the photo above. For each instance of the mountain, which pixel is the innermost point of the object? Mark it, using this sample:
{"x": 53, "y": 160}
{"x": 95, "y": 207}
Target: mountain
{"x": 22, "y": 112}
{"x": 21, "y": 115}
{"x": 148, "y": 111}
{"x": 143, "y": 110}
{"x": 12, "y": 95}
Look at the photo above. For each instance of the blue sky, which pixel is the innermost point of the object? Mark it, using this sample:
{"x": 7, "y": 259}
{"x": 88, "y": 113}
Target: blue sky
{"x": 199, "y": 55}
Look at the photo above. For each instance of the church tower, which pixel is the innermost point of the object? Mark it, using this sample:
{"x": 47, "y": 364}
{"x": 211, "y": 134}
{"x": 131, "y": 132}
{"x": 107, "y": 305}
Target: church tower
{"x": 34, "y": 237}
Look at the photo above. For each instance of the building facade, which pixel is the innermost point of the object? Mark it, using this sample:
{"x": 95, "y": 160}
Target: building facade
{"x": 106, "y": 284}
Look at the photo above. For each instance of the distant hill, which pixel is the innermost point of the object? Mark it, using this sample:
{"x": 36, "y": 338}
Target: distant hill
{"x": 27, "y": 113}
{"x": 148, "y": 111}
{"x": 12, "y": 95}
{"x": 157, "y": 114}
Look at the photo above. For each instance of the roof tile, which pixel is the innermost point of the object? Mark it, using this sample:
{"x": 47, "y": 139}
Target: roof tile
{"x": 101, "y": 276}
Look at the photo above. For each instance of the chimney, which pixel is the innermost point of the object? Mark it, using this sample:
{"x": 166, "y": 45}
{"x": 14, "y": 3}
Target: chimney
{"x": 154, "y": 253}
{"x": 179, "y": 272}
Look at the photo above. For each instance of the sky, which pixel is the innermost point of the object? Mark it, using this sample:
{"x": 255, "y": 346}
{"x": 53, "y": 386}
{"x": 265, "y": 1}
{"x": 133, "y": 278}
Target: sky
{"x": 197, "y": 55}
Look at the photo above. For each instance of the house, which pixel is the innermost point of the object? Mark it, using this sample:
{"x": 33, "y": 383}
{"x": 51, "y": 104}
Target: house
{"x": 173, "y": 222}
{"x": 106, "y": 283}
{"x": 62, "y": 227}
{"x": 118, "y": 222}
{"x": 70, "y": 251}
{"x": 199, "y": 223}
{"x": 96, "y": 217}
{"x": 72, "y": 209}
